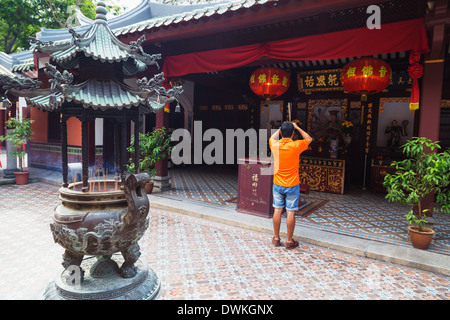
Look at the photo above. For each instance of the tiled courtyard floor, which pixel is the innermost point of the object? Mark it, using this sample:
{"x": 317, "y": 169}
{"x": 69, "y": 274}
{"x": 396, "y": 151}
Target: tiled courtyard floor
{"x": 200, "y": 259}
{"x": 361, "y": 214}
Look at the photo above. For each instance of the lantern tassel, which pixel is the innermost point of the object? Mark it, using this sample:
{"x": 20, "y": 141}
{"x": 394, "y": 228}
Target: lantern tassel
{"x": 415, "y": 71}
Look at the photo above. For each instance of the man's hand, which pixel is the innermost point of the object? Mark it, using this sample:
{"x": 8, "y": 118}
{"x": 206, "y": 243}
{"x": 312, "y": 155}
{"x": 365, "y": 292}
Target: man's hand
{"x": 302, "y": 133}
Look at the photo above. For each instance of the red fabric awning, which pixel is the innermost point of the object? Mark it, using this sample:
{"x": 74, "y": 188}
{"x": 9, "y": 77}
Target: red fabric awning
{"x": 392, "y": 37}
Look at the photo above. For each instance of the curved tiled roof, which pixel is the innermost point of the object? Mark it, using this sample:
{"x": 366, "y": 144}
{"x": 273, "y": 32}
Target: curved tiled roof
{"x": 189, "y": 14}
{"x": 24, "y": 66}
{"x": 103, "y": 94}
{"x": 145, "y": 16}
{"x": 146, "y": 10}
{"x": 99, "y": 43}
{"x": 150, "y": 14}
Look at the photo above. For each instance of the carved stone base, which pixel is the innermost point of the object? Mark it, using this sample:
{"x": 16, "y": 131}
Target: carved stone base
{"x": 161, "y": 183}
{"x": 9, "y": 173}
{"x": 109, "y": 286}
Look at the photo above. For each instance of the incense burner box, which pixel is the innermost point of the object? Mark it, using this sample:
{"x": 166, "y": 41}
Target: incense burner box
{"x": 255, "y": 187}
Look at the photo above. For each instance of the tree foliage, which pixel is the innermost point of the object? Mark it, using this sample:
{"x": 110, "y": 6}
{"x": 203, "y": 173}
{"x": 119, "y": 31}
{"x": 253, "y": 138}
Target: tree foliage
{"x": 153, "y": 147}
{"x": 19, "y": 134}
{"x": 20, "y": 19}
{"x": 420, "y": 174}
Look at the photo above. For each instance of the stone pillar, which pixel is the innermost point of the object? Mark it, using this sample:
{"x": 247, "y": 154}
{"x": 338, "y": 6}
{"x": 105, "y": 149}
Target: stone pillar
{"x": 11, "y": 161}
{"x": 162, "y": 179}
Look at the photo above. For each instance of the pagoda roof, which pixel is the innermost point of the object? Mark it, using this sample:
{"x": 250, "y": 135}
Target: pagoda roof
{"x": 104, "y": 94}
{"x": 99, "y": 43}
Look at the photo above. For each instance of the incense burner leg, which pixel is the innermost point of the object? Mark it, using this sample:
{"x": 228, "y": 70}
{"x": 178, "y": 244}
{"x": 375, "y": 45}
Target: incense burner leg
{"x": 71, "y": 259}
{"x": 131, "y": 255}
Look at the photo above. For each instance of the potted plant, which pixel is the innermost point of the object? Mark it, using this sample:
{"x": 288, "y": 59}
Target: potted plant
{"x": 19, "y": 134}
{"x": 153, "y": 147}
{"x": 420, "y": 174}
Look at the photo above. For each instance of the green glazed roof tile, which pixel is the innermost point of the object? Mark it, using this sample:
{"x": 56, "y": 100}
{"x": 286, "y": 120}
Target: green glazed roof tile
{"x": 100, "y": 94}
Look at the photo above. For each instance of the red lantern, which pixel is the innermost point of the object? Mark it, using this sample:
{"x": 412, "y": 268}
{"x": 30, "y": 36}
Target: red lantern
{"x": 269, "y": 83}
{"x": 366, "y": 76}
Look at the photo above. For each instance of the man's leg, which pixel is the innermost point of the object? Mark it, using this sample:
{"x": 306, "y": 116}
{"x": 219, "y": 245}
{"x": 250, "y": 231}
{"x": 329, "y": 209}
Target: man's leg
{"x": 290, "y": 221}
{"x": 277, "y": 222}
{"x": 292, "y": 199}
{"x": 278, "y": 205}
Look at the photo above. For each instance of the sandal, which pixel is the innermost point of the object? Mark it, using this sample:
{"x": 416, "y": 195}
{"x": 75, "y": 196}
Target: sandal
{"x": 276, "y": 242}
{"x": 291, "y": 245}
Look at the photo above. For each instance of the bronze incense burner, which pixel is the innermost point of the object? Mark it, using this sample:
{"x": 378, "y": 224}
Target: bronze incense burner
{"x": 102, "y": 222}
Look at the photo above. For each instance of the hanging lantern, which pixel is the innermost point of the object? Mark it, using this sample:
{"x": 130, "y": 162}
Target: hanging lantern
{"x": 366, "y": 76}
{"x": 269, "y": 83}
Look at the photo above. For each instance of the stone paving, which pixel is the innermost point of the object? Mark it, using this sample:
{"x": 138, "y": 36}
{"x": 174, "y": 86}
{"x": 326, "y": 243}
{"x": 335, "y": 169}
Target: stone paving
{"x": 199, "y": 259}
{"x": 360, "y": 214}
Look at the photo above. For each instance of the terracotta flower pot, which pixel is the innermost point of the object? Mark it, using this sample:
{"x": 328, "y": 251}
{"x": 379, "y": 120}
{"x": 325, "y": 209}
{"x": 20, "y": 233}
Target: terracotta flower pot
{"x": 149, "y": 187}
{"x": 22, "y": 177}
{"x": 420, "y": 239}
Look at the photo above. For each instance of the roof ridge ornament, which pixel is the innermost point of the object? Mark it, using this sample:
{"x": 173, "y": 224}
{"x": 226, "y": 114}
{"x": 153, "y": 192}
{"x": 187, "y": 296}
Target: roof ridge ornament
{"x": 18, "y": 84}
{"x": 101, "y": 12}
{"x": 155, "y": 85}
{"x": 148, "y": 59}
{"x": 56, "y": 80}
{"x": 35, "y": 43}
{"x": 76, "y": 37}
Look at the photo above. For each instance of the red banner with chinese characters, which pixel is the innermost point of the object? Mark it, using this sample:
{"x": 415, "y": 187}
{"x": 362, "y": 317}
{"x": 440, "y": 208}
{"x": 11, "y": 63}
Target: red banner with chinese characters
{"x": 392, "y": 37}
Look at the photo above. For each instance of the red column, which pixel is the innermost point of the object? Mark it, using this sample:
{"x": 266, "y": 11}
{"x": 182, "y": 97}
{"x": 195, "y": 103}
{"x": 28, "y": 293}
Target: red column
{"x": 430, "y": 111}
{"x": 432, "y": 83}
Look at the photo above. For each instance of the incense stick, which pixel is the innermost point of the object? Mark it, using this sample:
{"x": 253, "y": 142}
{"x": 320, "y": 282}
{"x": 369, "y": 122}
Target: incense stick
{"x": 289, "y": 110}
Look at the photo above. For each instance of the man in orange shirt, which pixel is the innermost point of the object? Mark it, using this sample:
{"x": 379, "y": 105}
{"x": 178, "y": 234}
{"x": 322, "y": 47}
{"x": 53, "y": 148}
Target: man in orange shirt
{"x": 286, "y": 183}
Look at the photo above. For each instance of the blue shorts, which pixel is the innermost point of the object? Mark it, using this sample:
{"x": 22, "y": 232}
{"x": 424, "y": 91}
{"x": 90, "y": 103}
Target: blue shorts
{"x": 286, "y": 197}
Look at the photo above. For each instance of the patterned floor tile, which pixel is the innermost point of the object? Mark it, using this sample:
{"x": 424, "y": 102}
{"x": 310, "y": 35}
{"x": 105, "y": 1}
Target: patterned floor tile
{"x": 201, "y": 259}
{"x": 363, "y": 214}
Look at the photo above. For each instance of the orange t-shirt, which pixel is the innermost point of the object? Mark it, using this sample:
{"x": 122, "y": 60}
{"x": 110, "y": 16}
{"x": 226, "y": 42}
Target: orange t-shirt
{"x": 286, "y": 154}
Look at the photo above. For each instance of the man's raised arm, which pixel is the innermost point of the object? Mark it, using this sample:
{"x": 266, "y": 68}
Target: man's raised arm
{"x": 302, "y": 133}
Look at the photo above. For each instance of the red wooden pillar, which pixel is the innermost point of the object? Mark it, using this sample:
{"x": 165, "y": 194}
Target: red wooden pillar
{"x": 162, "y": 179}
{"x": 432, "y": 82}
{"x": 430, "y": 112}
